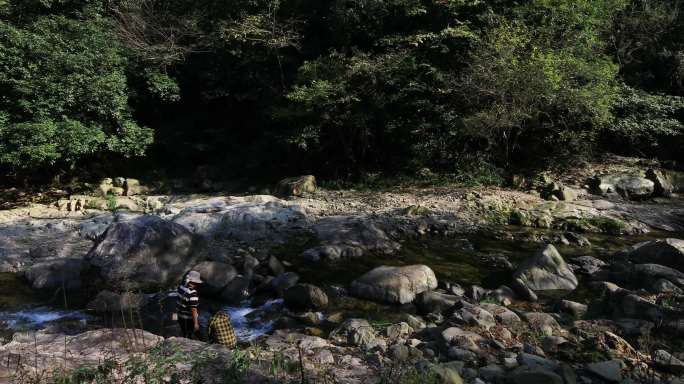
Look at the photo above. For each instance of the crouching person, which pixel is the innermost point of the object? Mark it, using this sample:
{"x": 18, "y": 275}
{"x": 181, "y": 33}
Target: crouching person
{"x": 220, "y": 331}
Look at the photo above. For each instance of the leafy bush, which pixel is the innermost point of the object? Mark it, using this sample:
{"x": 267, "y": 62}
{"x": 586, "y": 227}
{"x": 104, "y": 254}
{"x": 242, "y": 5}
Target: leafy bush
{"x": 64, "y": 91}
{"x": 647, "y": 124}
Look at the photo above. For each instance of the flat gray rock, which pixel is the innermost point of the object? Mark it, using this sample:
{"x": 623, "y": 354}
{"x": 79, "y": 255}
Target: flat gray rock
{"x": 607, "y": 370}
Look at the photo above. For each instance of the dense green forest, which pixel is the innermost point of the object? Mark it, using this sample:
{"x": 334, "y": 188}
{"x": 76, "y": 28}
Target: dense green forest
{"x": 339, "y": 88}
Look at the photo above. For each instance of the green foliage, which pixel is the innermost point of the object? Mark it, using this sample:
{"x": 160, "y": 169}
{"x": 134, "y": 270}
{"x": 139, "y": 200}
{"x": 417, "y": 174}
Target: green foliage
{"x": 647, "y": 123}
{"x": 111, "y": 203}
{"x": 162, "y": 86}
{"x": 542, "y": 86}
{"x": 340, "y": 88}
{"x": 236, "y": 368}
{"x": 100, "y": 374}
{"x": 648, "y": 43}
{"x": 64, "y": 93}
{"x": 403, "y": 374}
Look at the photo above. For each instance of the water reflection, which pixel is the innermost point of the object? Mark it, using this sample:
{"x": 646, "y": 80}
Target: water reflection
{"x": 37, "y": 318}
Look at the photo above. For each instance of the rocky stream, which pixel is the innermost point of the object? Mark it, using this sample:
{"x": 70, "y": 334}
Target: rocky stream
{"x": 567, "y": 279}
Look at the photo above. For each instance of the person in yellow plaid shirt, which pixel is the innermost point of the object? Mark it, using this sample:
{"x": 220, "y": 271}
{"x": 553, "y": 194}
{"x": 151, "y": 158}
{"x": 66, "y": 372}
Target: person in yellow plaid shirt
{"x": 220, "y": 331}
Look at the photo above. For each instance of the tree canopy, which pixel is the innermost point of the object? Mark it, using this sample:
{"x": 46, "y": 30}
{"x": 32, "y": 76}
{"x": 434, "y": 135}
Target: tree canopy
{"x": 337, "y": 87}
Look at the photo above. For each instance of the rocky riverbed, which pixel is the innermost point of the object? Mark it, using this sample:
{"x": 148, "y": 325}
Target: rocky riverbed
{"x": 574, "y": 278}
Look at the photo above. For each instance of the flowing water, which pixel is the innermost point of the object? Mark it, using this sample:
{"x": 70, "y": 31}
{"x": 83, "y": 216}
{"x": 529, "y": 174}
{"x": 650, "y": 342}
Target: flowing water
{"x": 249, "y": 321}
{"x": 465, "y": 260}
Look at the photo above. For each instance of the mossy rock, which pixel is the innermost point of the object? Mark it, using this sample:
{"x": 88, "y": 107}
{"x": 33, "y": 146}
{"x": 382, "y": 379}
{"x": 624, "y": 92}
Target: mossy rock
{"x": 296, "y": 186}
{"x": 519, "y": 217}
{"x": 596, "y": 224}
{"x": 417, "y": 210}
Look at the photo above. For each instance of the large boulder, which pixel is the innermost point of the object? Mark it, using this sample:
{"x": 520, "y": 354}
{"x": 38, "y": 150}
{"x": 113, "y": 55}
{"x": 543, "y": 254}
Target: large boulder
{"x": 666, "y": 361}
{"x": 668, "y": 252}
{"x": 305, "y": 296}
{"x": 133, "y": 187}
{"x": 545, "y": 271}
{"x": 146, "y": 253}
{"x": 32, "y": 235}
{"x": 662, "y": 186}
{"x": 259, "y": 218}
{"x": 634, "y": 188}
{"x": 647, "y": 274}
{"x": 395, "y": 285}
{"x": 216, "y": 275}
{"x": 56, "y": 274}
{"x": 296, "y": 186}
{"x": 627, "y": 186}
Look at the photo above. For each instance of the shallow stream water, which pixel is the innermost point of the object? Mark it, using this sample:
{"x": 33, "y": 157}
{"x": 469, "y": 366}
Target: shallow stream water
{"x": 464, "y": 260}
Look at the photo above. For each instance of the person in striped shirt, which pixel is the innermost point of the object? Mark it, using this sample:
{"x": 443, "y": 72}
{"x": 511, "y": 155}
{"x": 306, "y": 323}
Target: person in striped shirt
{"x": 188, "y": 305}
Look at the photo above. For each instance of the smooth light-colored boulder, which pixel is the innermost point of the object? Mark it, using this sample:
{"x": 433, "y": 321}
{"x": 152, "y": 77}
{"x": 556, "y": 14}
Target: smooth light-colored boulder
{"x": 627, "y": 186}
{"x": 395, "y": 285}
{"x": 545, "y": 271}
{"x": 146, "y": 253}
{"x": 635, "y": 188}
